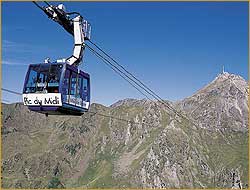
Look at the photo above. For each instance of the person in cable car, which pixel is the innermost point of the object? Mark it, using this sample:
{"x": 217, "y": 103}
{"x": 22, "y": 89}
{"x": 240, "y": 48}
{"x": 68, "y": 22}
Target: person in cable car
{"x": 53, "y": 84}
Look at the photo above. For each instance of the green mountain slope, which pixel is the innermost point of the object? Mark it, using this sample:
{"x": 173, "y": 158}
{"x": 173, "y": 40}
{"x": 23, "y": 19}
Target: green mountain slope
{"x": 152, "y": 150}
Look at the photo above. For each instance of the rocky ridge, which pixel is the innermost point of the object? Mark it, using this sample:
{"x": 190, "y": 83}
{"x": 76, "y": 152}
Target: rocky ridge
{"x": 153, "y": 150}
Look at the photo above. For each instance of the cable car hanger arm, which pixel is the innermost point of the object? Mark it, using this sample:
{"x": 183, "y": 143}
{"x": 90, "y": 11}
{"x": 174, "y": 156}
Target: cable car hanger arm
{"x": 77, "y": 26}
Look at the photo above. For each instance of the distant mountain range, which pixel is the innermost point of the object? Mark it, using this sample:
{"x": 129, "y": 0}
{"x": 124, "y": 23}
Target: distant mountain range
{"x": 205, "y": 145}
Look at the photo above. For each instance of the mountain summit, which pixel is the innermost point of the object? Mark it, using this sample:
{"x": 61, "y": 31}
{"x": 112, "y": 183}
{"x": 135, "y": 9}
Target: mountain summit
{"x": 220, "y": 104}
{"x": 141, "y": 146}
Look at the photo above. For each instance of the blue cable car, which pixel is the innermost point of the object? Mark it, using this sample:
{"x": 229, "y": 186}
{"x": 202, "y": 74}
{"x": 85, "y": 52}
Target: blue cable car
{"x": 60, "y": 87}
{"x": 56, "y": 88}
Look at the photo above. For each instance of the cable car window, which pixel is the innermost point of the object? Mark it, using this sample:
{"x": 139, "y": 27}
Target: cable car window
{"x": 79, "y": 87}
{"x": 54, "y": 78}
{"x": 43, "y": 78}
{"x": 73, "y": 80}
{"x": 85, "y": 90}
{"x": 65, "y": 88}
{"x": 30, "y": 86}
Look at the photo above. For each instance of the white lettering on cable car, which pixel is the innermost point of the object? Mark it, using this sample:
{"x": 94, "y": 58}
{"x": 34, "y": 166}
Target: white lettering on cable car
{"x": 49, "y": 99}
{"x": 77, "y": 102}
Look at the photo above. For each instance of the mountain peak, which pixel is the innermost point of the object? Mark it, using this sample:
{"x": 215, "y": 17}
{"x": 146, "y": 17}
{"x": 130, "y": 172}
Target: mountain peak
{"x": 126, "y": 101}
{"x": 132, "y": 102}
{"x": 226, "y": 75}
{"x": 220, "y": 104}
{"x": 222, "y": 80}
{"x": 230, "y": 79}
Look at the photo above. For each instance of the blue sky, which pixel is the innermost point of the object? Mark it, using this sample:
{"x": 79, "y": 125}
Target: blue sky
{"x": 176, "y": 48}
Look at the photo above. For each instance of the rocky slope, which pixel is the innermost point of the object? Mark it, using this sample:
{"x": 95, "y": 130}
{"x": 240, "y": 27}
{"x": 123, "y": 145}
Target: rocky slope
{"x": 221, "y": 104}
{"x": 146, "y": 147}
